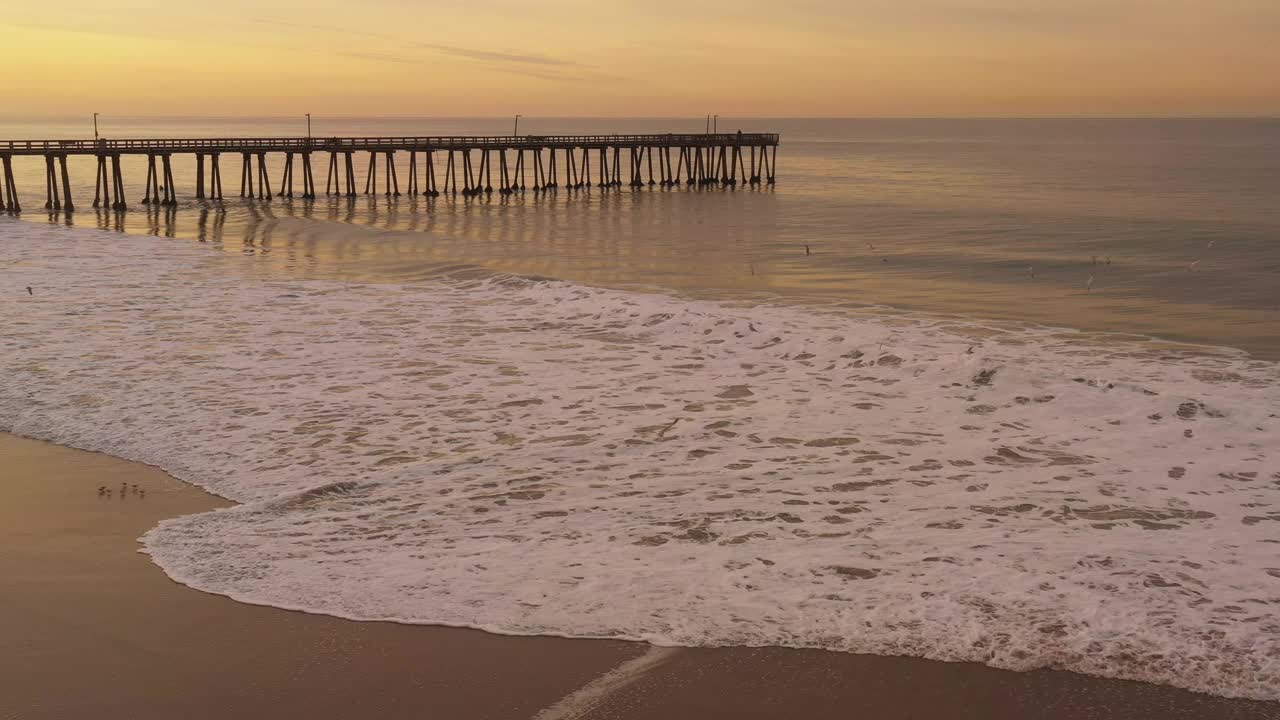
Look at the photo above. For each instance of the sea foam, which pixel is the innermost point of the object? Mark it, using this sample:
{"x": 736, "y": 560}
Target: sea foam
{"x": 548, "y": 458}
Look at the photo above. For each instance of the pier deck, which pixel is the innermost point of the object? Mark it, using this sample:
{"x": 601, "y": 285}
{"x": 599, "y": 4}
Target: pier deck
{"x": 551, "y": 161}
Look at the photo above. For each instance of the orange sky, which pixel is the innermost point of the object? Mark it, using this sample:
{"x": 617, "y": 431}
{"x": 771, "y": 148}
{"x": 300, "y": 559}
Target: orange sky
{"x": 655, "y": 58}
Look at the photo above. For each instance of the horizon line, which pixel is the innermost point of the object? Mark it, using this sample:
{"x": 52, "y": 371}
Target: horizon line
{"x": 314, "y": 116}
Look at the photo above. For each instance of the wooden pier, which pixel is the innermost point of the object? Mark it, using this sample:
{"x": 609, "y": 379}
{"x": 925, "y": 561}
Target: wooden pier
{"x": 456, "y": 165}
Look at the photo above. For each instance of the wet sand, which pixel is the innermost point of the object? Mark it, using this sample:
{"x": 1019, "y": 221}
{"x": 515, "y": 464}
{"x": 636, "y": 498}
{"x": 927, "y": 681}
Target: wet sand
{"x": 90, "y": 628}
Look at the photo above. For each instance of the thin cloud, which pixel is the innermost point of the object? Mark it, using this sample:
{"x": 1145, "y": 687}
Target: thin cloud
{"x": 487, "y": 56}
{"x": 499, "y": 57}
{"x": 565, "y": 72}
{"x": 380, "y": 57}
{"x": 542, "y": 67}
{"x": 324, "y": 28}
{"x": 581, "y": 75}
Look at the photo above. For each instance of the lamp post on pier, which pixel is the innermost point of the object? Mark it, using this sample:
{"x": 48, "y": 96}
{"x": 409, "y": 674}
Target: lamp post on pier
{"x": 715, "y": 124}
{"x": 308, "y": 126}
{"x": 516, "y": 131}
{"x": 95, "y": 127}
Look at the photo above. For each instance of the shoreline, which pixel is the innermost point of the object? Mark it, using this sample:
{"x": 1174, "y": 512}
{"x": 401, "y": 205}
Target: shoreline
{"x": 95, "y": 629}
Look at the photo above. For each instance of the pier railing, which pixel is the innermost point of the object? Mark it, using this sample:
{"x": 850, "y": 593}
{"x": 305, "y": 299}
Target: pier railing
{"x": 342, "y": 144}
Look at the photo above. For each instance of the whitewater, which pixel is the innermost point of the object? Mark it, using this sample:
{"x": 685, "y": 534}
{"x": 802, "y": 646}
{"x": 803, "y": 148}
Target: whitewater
{"x": 540, "y": 457}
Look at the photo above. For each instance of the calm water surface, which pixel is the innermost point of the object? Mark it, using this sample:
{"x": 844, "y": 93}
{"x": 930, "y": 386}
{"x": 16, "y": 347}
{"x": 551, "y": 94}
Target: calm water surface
{"x": 1160, "y": 227}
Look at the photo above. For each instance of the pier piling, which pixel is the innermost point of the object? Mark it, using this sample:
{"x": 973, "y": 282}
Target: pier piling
{"x": 215, "y": 177}
{"x": 286, "y": 177}
{"x": 11, "y": 204}
{"x": 67, "y": 204}
{"x": 117, "y": 184}
{"x": 170, "y": 192}
{"x": 264, "y": 179}
{"x": 246, "y": 178}
{"x": 199, "y": 176}
{"x": 331, "y": 182}
{"x": 52, "y": 200}
{"x": 308, "y": 180}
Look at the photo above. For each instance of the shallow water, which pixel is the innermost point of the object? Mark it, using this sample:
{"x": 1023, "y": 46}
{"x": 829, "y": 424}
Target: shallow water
{"x": 762, "y": 452}
{"x": 1160, "y": 227}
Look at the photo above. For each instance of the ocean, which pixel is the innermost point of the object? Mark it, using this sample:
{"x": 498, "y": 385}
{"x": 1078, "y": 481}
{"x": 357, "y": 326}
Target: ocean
{"x": 992, "y": 390}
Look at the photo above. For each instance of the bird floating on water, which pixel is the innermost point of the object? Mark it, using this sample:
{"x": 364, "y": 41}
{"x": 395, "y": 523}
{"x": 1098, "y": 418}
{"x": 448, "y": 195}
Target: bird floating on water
{"x": 1193, "y": 266}
{"x": 1088, "y": 285}
{"x": 29, "y": 290}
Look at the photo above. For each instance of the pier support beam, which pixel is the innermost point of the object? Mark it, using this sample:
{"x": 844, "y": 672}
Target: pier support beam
{"x": 286, "y": 177}
{"x": 392, "y": 181}
{"x": 215, "y": 177}
{"x": 52, "y": 201}
{"x": 151, "y": 185}
{"x": 466, "y": 172}
{"x": 470, "y": 175}
{"x": 100, "y": 183}
{"x": 67, "y": 204}
{"x": 117, "y": 184}
{"x": 199, "y": 176}
{"x": 635, "y": 155}
{"x": 246, "y": 175}
{"x": 10, "y": 190}
{"x": 264, "y": 180}
{"x": 170, "y": 192}
{"x": 432, "y": 190}
{"x": 308, "y": 179}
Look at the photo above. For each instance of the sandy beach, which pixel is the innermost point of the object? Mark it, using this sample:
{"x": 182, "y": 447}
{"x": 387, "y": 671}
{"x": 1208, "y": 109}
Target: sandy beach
{"x": 91, "y": 628}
